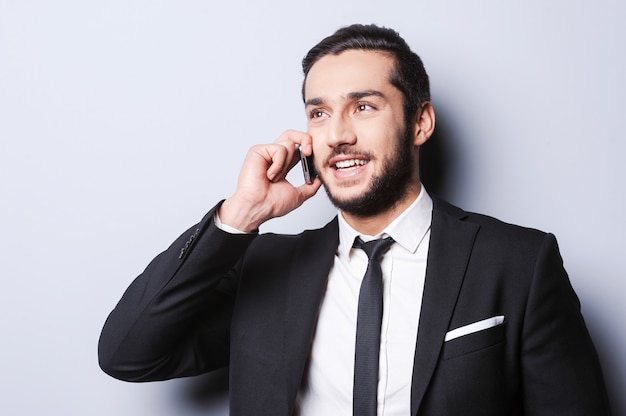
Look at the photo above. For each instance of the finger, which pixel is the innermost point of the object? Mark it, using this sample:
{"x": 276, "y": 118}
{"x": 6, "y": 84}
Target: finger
{"x": 299, "y": 139}
{"x": 307, "y": 190}
{"x": 278, "y": 159}
{"x": 292, "y": 140}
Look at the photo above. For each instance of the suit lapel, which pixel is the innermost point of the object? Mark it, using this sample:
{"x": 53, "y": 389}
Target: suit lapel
{"x": 450, "y": 246}
{"x": 313, "y": 257}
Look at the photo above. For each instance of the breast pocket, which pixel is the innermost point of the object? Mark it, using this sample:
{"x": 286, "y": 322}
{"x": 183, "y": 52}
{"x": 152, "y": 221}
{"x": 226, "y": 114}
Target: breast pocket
{"x": 474, "y": 342}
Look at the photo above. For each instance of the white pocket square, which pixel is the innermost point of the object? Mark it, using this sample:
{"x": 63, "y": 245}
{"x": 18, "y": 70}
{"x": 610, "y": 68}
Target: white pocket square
{"x": 475, "y": 327}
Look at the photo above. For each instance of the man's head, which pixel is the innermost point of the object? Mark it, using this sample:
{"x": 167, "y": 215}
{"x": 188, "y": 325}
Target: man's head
{"x": 408, "y": 75}
{"x": 366, "y": 97}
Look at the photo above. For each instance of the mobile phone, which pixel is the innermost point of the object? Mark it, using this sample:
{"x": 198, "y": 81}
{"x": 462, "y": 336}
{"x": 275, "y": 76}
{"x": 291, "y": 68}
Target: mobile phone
{"x": 307, "y": 167}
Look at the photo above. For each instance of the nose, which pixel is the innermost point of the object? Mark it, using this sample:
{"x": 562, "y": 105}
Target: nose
{"x": 340, "y": 132}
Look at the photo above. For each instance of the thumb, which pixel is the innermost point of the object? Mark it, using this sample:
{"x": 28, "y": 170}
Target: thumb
{"x": 307, "y": 190}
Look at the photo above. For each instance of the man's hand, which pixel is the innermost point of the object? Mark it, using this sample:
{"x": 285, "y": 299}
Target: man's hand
{"x": 262, "y": 191}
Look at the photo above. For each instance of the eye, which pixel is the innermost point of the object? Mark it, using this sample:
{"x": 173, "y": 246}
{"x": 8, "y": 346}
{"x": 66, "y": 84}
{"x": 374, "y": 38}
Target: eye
{"x": 360, "y": 107}
{"x": 317, "y": 113}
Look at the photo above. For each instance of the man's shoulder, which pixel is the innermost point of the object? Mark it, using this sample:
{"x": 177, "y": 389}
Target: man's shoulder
{"x": 326, "y": 233}
{"x": 486, "y": 225}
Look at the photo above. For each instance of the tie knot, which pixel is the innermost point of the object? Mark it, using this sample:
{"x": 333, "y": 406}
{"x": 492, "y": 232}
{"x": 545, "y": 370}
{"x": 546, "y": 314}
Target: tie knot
{"x": 375, "y": 248}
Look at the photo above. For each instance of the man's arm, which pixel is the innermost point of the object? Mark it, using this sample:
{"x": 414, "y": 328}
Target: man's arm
{"x": 560, "y": 368}
{"x": 174, "y": 318}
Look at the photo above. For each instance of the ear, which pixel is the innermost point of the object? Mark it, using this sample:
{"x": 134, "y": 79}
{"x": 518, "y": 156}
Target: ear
{"x": 424, "y": 123}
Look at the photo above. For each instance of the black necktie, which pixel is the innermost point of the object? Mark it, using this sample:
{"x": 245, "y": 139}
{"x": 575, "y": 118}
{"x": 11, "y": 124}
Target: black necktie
{"x": 369, "y": 318}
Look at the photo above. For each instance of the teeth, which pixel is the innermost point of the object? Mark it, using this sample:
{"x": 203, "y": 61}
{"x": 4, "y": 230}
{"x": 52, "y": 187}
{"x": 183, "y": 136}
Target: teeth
{"x": 350, "y": 163}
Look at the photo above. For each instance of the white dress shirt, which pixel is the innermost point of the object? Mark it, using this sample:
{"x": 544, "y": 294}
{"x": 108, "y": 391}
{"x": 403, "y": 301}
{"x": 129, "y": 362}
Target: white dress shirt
{"x": 327, "y": 383}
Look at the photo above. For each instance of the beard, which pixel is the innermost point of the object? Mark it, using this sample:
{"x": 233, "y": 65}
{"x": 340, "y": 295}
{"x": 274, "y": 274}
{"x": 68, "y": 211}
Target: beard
{"x": 388, "y": 187}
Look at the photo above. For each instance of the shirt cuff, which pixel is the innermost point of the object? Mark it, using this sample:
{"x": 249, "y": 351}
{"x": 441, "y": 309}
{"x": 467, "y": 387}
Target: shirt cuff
{"x": 224, "y": 227}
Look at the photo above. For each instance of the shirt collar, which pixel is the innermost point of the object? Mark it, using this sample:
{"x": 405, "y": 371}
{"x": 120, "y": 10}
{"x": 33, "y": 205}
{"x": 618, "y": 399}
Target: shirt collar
{"x": 407, "y": 230}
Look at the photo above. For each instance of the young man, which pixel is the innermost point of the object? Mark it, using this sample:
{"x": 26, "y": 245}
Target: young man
{"x": 477, "y": 318}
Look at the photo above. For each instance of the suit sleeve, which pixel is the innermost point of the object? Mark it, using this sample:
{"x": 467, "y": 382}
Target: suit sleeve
{"x": 174, "y": 319}
{"x": 560, "y": 368}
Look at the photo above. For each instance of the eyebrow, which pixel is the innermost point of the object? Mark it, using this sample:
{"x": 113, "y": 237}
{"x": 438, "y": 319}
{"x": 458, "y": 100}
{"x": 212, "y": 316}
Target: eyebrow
{"x": 356, "y": 95}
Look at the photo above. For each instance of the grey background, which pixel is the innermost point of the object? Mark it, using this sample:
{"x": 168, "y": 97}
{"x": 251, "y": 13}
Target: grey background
{"x": 122, "y": 122}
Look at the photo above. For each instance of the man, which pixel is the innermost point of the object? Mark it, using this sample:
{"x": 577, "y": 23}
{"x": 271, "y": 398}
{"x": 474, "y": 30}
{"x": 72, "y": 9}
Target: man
{"x": 478, "y": 316}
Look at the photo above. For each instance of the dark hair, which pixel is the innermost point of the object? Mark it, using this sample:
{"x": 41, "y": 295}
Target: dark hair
{"x": 409, "y": 75}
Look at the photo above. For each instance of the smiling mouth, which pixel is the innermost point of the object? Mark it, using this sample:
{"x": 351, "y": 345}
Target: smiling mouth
{"x": 350, "y": 163}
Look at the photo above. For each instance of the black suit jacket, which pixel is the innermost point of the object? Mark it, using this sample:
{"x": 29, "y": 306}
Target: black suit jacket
{"x": 215, "y": 299}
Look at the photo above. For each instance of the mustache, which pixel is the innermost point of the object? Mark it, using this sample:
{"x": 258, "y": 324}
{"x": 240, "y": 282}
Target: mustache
{"x": 348, "y": 150}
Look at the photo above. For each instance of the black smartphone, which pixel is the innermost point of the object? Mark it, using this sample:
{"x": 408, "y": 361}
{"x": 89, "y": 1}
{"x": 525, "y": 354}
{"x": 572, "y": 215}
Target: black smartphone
{"x": 307, "y": 167}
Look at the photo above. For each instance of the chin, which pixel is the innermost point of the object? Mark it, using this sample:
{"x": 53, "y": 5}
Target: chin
{"x": 346, "y": 192}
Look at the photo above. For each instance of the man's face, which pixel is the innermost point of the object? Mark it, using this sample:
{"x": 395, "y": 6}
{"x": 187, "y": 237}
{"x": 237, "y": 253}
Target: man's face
{"x": 364, "y": 153}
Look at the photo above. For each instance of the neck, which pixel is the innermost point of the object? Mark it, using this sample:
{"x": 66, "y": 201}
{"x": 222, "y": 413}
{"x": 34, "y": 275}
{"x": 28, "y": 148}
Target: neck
{"x": 375, "y": 224}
